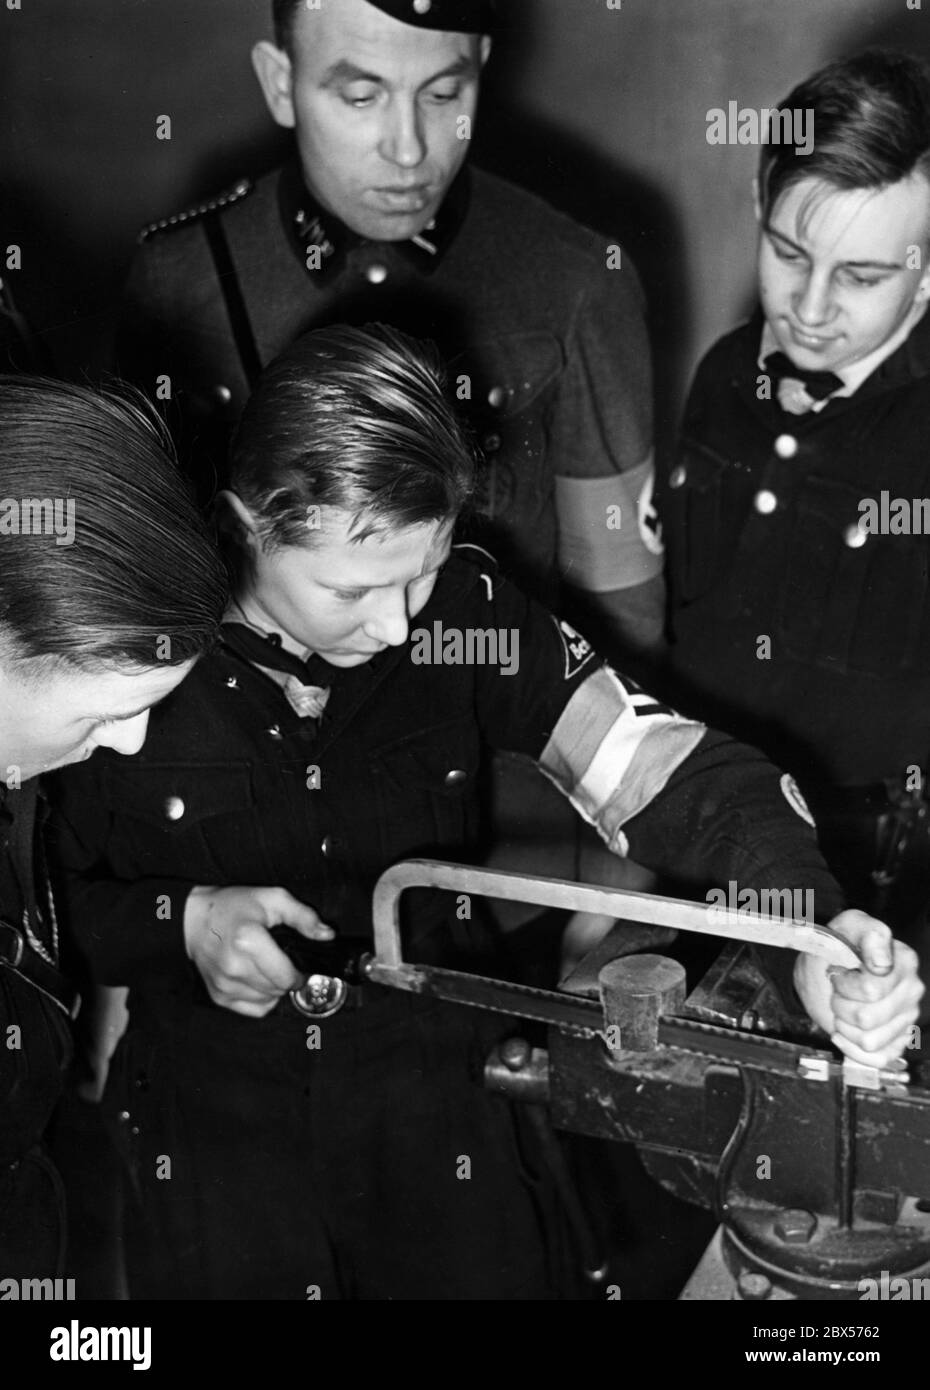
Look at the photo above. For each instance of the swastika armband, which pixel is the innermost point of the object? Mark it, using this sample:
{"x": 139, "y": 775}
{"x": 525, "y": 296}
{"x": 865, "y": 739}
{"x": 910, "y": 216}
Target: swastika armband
{"x": 609, "y": 534}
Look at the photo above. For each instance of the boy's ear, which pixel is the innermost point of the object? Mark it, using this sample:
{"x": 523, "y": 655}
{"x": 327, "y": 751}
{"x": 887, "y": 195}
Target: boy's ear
{"x": 234, "y": 518}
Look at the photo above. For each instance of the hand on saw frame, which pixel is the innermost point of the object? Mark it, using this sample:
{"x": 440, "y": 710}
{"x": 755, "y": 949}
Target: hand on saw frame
{"x": 869, "y": 1012}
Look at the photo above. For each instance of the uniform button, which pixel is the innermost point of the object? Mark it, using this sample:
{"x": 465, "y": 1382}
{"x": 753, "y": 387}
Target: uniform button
{"x": 786, "y": 446}
{"x": 124, "y": 1115}
{"x": 422, "y": 6}
{"x": 328, "y": 847}
{"x": 376, "y": 274}
{"x": 222, "y": 394}
{"x": 492, "y": 442}
{"x": 232, "y": 683}
{"x": 174, "y": 808}
{"x": 496, "y": 397}
{"x": 677, "y": 477}
{"x": 455, "y": 776}
{"x": 275, "y": 731}
{"x": 765, "y": 502}
{"x": 854, "y": 536}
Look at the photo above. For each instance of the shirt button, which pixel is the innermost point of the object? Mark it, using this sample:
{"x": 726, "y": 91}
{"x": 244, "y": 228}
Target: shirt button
{"x": 854, "y": 536}
{"x": 232, "y": 683}
{"x": 496, "y": 397}
{"x": 275, "y": 731}
{"x": 765, "y": 502}
{"x": 376, "y": 274}
{"x": 786, "y": 446}
{"x": 328, "y": 846}
{"x": 222, "y": 394}
{"x": 174, "y": 808}
{"x": 677, "y": 477}
{"x": 454, "y": 776}
{"x": 491, "y": 442}
{"x": 422, "y": 6}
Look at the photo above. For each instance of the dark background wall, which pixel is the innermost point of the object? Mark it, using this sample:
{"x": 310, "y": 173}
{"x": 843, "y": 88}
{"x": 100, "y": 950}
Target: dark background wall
{"x": 602, "y": 110}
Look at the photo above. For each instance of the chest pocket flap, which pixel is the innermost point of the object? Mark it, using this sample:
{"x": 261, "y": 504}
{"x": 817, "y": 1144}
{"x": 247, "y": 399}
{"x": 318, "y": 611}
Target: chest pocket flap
{"x": 509, "y": 372}
{"x": 176, "y": 797}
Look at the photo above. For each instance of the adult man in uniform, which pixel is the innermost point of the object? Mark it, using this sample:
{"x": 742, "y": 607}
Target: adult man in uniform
{"x": 109, "y": 591}
{"x": 378, "y": 218}
{"x": 799, "y": 624}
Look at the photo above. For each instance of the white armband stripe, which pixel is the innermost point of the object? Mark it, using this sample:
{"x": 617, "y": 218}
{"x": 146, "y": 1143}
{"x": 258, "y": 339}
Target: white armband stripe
{"x": 602, "y": 530}
{"x": 613, "y": 750}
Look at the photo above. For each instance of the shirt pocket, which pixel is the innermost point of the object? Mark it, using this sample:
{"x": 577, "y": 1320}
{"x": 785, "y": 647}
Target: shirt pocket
{"x": 510, "y": 379}
{"x": 860, "y": 607}
{"x": 694, "y": 522}
{"x": 427, "y": 792}
{"x": 196, "y": 822}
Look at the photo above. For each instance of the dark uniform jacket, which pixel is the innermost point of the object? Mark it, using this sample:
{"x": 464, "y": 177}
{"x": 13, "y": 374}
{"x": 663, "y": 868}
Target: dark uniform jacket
{"x": 546, "y": 341}
{"x": 35, "y": 1050}
{"x": 761, "y": 513}
{"x": 335, "y": 1166}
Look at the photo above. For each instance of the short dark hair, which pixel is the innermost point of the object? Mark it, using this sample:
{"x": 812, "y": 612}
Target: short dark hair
{"x": 133, "y": 567}
{"x": 354, "y": 418}
{"x": 871, "y": 126}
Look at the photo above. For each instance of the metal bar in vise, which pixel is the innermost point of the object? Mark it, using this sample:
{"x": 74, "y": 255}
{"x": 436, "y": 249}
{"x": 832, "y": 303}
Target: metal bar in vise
{"x": 576, "y": 897}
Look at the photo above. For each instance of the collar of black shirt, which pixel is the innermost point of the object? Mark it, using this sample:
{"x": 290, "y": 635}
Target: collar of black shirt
{"x": 309, "y": 226}
{"x": 909, "y": 362}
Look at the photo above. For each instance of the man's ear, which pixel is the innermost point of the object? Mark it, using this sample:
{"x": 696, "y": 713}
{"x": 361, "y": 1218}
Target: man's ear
{"x": 276, "y": 79}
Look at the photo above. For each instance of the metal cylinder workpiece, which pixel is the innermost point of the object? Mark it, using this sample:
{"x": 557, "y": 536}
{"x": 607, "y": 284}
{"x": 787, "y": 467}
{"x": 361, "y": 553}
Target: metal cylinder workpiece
{"x": 635, "y": 992}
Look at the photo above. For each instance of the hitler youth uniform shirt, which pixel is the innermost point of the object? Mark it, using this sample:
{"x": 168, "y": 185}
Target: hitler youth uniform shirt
{"x": 540, "y": 321}
{"x": 35, "y": 1045}
{"x": 329, "y": 1161}
{"x": 795, "y": 625}
{"x": 234, "y": 787}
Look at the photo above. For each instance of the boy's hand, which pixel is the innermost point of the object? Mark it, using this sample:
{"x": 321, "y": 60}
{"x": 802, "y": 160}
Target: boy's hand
{"x": 227, "y": 938}
{"x": 868, "y": 1012}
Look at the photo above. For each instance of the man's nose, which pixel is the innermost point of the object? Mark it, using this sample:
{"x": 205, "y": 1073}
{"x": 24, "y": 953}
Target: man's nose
{"x": 126, "y": 737}
{"x": 390, "y": 622}
{"x": 402, "y": 141}
{"x": 814, "y": 301}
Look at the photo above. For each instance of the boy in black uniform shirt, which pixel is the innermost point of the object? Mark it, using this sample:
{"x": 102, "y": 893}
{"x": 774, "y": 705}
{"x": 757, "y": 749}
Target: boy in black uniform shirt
{"x": 800, "y": 620}
{"x": 109, "y": 591}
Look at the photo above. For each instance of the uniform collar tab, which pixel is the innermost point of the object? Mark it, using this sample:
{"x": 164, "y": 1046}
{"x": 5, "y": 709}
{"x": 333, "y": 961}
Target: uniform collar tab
{"x": 323, "y": 243}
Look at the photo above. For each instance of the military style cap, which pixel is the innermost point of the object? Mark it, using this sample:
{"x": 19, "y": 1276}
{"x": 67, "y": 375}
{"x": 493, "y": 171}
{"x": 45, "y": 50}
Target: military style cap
{"x": 461, "y": 16}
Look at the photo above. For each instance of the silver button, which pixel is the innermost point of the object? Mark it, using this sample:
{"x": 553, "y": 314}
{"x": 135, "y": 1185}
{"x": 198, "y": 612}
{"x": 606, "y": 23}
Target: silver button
{"x": 496, "y": 397}
{"x": 327, "y": 846}
{"x": 455, "y": 776}
{"x": 786, "y": 446}
{"x": 232, "y": 683}
{"x": 422, "y": 6}
{"x": 275, "y": 731}
{"x": 376, "y": 274}
{"x": 765, "y": 502}
{"x": 854, "y": 536}
{"x": 222, "y": 394}
{"x": 677, "y": 477}
{"x": 174, "y": 808}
